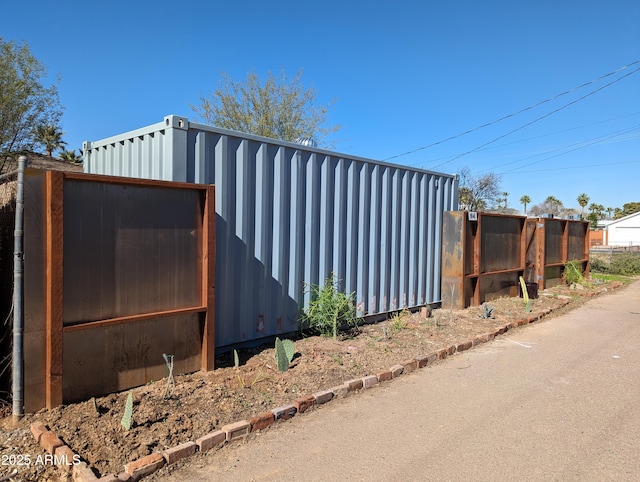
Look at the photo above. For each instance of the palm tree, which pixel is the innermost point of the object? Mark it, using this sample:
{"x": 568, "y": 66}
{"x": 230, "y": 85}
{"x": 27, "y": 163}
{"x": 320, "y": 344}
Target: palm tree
{"x": 70, "y": 156}
{"x": 609, "y": 211}
{"x": 583, "y": 200}
{"x": 525, "y": 200}
{"x": 597, "y": 209}
{"x": 552, "y": 205}
{"x": 51, "y": 137}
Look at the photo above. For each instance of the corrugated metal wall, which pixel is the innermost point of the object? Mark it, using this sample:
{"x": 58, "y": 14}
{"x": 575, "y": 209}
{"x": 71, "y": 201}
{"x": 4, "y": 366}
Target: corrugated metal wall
{"x": 291, "y": 214}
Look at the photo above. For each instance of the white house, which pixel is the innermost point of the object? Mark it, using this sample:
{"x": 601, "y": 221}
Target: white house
{"x": 624, "y": 231}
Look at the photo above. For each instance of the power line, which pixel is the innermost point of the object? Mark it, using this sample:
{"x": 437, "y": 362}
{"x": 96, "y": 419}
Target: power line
{"x": 579, "y": 144}
{"x": 581, "y": 166}
{"x": 519, "y": 141}
{"x": 559, "y": 132}
{"x": 514, "y": 113}
{"x": 597, "y": 141}
{"x": 539, "y": 118}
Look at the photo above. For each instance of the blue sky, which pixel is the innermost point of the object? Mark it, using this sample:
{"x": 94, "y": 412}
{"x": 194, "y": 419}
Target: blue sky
{"x": 405, "y": 75}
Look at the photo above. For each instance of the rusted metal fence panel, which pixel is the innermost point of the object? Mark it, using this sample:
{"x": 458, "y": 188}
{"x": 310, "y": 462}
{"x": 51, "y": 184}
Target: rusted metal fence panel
{"x": 485, "y": 254}
{"x": 482, "y": 257}
{"x": 564, "y": 241}
{"x": 117, "y": 272}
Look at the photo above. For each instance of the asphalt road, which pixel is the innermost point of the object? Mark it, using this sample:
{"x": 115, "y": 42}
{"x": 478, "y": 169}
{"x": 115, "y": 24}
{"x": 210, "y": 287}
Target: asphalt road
{"x": 556, "y": 400}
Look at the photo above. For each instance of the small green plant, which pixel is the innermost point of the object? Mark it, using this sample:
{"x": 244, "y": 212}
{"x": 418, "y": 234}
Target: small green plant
{"x": 260, "y": 377}
{"x": 573, "y": 273}
{"x": 336, "y": 358}
{"x": 241, "y": 381}
{"x": 284, "y": 352}
{"x": 267, "y": 398}
{"x": 127, "y": 418}
{"x": 486, "y": 312}
{"x": 236, "y": 359}
{"x": 398, "y": 320}
{"x": 329, "y": 309}
{"x": 437, "y": 321}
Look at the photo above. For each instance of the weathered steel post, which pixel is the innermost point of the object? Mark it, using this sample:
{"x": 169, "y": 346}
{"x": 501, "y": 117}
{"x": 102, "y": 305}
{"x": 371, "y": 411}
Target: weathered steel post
{"x": 18, "y": 298}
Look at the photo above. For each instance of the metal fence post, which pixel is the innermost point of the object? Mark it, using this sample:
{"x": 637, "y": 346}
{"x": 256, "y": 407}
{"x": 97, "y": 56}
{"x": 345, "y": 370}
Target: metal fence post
{"x": 18, "y": 298}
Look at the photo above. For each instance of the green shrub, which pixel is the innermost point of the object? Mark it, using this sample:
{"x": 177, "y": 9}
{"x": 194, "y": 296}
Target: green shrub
{"x": 627, "y": 264}
{"x": 573, "y": 272}
{"x": 329, "y": 309}
{"x": 599, "y": 266}
{"x": 399, "y": 320}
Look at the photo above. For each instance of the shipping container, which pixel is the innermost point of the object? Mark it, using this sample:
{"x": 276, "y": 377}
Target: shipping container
{"x": 290, "y": 215}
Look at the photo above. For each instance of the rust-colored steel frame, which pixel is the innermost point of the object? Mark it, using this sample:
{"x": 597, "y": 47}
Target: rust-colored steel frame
{"x": 477, "y": 275}
{"x": 54, "y": 203}
{"x": 463, "y": 282}
{"x": 465, "y": 276}
{"x": 541, "y": 252}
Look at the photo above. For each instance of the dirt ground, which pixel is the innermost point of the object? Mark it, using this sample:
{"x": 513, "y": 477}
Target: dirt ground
{"x": 200, "y": 403}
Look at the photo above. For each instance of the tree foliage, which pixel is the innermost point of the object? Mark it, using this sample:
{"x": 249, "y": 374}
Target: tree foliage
{"x": 50, "y": 136}
{"x": 627, "y": 209}
{"x": 25, "y": 101}
{"x": 583, "y": 200}
{"x": 598, "y": 209}
{"x": 71, "y": 156}
{"x": 525, "y": 201}
{"x": 278, "y": 107}
{"x": 477, "y": 193}
{"x": 551, "y": 205}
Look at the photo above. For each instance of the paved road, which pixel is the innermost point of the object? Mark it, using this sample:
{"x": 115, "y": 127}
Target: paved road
{"x": 557, "y": 400}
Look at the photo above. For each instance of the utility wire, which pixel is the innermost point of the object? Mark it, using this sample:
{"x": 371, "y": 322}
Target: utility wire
{"x": 597, "y": 141}
{"x": 538, "y": 119}
{"x": 519, "y": 141}
{"x": 581, "y": 166}
{"x": 579, "y": 144}
{"x": 514, "y": 113}
{"x": 532, "y": 138}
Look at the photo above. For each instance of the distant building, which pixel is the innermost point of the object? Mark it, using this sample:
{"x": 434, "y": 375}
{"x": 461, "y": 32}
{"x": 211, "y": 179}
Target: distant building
{"x": 624, "y": 231}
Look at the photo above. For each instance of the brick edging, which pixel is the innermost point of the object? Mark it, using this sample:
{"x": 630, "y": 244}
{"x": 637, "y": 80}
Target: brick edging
{"x": 134, "y": 470}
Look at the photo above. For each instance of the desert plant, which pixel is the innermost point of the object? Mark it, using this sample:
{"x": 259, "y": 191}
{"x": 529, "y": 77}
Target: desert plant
{"x": 168, "y": 360}
{"x": 329, "y": 309}
{"x": 437, "y": 317}
{"x": 284, "y": 351}
{"x": 260, "y": 377}
{"x": 236, "y": 359}
{"x": 525, "y": 295}
{"x": 398, "y": 320}
{"x": 486, "y": 312}
{"x": 573, "y": 272}
{"x": 127, "y": 418}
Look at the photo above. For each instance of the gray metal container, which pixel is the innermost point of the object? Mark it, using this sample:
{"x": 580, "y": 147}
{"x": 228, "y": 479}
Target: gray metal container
{"x": 290, "y": 215}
